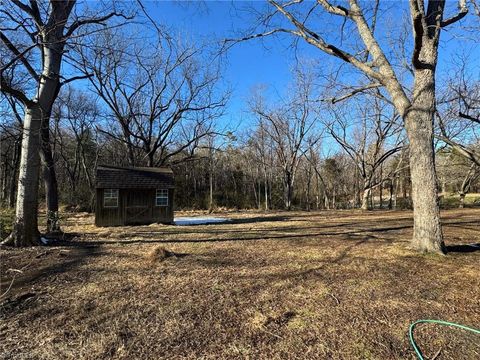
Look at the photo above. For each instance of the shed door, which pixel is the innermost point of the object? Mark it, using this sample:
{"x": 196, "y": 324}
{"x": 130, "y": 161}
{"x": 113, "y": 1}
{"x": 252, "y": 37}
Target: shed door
{"x": 138, "y": 208}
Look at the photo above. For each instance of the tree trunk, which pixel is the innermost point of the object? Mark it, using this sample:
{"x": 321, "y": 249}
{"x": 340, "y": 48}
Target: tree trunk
{"x": 390, "y": 199}
{"x": 427, "y": 230}
{"x": 13, "y": 179}
{"x": 25, "y": 228}
{"x": 365, "y": 199}
{"x": 150, "y": 156}
{"x": 49, "y": 178}
{"x": 366, "y": 195}
{"x": 334, "y": 198}
{"x": 381, "y": 188}
{"x": 462, "y": 200}
{"x": 288, "y": 190}
{"x": 266, "y": 189}
{"x": 288, "y": 197}
{"x": 309, "y": 185}
{"x": 210, "y": 181}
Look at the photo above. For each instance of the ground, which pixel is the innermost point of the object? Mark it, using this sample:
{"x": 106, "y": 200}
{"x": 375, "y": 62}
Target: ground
{"x": 319, "y": 285}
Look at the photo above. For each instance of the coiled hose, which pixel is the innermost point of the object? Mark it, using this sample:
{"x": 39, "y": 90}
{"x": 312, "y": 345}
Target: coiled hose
{"x": 441, "y": 322}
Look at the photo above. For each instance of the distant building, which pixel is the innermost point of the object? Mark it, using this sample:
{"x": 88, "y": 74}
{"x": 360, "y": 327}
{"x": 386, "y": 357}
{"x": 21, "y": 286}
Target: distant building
{"x": 133, "y": 196}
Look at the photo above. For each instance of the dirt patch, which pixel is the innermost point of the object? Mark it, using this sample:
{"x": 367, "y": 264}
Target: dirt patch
{"x": 286, "y": 285}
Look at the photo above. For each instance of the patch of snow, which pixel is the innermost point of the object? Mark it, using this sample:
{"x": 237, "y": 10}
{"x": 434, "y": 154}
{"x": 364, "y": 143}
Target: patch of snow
{"x": 199, "y": 220}
{"x": 44, "y": 240}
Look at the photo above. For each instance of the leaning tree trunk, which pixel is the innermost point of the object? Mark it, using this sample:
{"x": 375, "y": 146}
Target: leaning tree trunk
{"x": 49, "y": 178}
{"x": 25, "y": 228}
{"x": 427, "y": 231}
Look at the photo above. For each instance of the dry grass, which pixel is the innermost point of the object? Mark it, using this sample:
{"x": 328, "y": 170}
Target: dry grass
{"x": 326, "y": 285}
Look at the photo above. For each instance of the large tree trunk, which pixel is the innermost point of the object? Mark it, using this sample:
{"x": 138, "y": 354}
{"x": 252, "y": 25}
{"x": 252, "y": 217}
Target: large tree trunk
{"x": 49, "y": 178}
{"x": 366, "y": 195}
{"x": 365, "y": 198}
{"x": 427, "y": 231}
{"x": 25, "y": 228}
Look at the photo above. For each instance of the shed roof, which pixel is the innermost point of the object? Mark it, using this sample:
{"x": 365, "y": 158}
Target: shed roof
{"x": 133, "y": 177}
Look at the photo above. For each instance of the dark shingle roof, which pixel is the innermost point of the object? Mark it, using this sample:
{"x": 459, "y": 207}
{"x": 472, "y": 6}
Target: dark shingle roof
{"x": 133, "y": 177}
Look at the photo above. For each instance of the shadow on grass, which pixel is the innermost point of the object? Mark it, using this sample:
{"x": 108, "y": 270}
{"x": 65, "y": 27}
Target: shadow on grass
{"x": 259, "y": 219}
{"x": 465, "y": 248}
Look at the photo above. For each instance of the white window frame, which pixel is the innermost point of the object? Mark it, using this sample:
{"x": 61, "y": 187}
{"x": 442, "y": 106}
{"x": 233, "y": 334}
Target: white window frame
{"x": 110, "y": 194}
{"x": 163, "y": 195}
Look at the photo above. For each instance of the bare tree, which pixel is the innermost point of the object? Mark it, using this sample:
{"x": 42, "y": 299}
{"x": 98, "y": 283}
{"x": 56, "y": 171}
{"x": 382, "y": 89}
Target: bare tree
{"x": 10, "y": 148}
{"x": 263, "y": 148}
{"x": 288, "y": 127}
{"x": 47, "y": 26}
{"x": 458, "y": 116}
{"x": 417, "y": 108}
{"x": 77, "y": 143}
{"x": 376, "y": 136}
{"x": 161, "y": 96}
{"x": 472, "y": 175}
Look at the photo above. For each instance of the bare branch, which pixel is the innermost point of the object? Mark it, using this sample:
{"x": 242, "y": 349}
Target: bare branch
{"x": 353, "y": 93}
{"x": 6, "y": 88}
{"x": 98, "y": 20}
{"x": 19, "y": 55}
{"x": 462, "y": 12}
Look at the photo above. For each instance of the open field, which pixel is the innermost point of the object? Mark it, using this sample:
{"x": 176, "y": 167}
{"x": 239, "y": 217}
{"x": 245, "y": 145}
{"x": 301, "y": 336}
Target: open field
{"x": 320, "y": 285}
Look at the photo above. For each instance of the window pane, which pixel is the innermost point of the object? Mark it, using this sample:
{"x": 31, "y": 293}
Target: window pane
{"x": 161, "y": 198}
{"x": 110, "y": 198}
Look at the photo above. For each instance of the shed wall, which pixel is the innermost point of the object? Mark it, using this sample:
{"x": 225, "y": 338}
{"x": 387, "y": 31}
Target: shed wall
{"x": 135, "y": 207}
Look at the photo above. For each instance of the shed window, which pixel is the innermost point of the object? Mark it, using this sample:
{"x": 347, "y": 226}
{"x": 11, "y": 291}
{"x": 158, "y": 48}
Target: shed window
{"x": 161, "y": 197}
{"x": 110, "y": 198}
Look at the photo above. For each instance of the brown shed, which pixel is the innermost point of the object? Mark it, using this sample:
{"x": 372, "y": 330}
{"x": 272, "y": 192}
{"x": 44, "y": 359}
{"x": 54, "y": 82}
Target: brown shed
{"x": 133, "y": 196}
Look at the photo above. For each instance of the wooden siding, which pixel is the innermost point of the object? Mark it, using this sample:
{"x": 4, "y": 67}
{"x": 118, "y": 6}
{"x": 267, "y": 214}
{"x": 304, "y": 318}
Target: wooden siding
{"x": 135, "y": 207}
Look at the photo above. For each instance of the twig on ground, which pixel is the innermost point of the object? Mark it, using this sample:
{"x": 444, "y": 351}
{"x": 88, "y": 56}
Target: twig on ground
{"x": 335, "y": 298}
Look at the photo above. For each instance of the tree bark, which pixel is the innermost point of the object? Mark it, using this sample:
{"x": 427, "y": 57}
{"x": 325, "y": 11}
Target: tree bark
{"x": 288, "y": 189}
{"x": 25, "y": 228}
{"x": 427, "y": 232}
{"x": 49, "y": 178}
{"x": 266, "y": 189}
{"x": 13, "y": 180}
{"x": 390, "y": 199}
{"x": 365, "y": 198}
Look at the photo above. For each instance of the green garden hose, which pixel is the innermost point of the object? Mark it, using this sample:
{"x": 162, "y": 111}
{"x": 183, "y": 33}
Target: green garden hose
{"x": 441, "y": 322}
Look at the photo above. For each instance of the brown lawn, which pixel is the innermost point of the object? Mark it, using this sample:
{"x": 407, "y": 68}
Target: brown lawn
{"x": 320, "y": 285}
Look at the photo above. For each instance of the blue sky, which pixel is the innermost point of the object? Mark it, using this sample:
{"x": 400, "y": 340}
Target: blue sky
{"x": 270, "y": 61}
{"x": 248, "y": 64}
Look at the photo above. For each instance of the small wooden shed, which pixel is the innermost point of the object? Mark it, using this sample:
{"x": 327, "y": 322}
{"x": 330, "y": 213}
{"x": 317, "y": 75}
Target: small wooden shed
{"x": 133, "y": 195}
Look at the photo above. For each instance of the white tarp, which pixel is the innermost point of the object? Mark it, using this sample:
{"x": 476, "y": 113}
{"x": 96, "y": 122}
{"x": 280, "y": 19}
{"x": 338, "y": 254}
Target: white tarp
{"x": 199, "y": 220}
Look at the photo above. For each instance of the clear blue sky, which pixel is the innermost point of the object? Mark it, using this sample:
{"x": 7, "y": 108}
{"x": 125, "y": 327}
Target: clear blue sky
{"x": 248, "y": 64}
{"x": 269, "y": 61}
